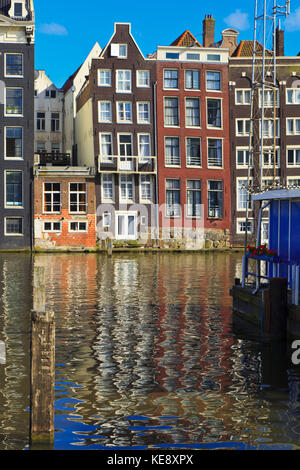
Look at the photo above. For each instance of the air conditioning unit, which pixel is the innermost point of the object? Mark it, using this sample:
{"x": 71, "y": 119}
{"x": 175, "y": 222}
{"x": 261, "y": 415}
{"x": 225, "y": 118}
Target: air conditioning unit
{"x": 36, "y": 159}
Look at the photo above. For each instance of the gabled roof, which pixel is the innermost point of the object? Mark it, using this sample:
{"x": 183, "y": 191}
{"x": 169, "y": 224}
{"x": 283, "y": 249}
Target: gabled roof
{"x": 186, "y": 39}
{"x": 69, "y": 82}
{"x": 246, "y": 49}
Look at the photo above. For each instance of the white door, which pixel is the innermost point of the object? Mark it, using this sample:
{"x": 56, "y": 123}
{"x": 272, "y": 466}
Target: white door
{"x": 126, "y": 226}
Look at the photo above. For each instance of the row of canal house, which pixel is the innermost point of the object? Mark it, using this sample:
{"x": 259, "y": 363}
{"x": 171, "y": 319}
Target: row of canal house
{"x": 149, "y": 150}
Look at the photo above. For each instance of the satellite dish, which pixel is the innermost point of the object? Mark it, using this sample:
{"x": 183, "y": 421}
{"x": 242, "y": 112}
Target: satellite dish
{"x": 73, "y": 88}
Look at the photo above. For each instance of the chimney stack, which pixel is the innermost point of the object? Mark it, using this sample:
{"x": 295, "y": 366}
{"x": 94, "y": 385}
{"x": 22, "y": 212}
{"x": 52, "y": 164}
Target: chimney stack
{"x": 279, "y": 42}
{"x": 208, "y": 31}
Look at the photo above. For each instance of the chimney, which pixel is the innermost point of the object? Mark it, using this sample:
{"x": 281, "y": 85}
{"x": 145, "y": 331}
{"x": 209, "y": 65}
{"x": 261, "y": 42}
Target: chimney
{"x": 279, "y": 42}
{"x": 208, "y": 31}
{"x": 230, "y": 40}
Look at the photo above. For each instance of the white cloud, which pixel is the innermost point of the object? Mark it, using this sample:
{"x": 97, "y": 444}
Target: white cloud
{"x": 53, "y": 29}
{"x": 292, "y": 23}
{"x": 238, "y": 20}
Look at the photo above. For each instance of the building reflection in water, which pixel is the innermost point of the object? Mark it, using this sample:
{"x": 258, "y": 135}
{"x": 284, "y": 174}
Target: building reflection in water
{"x": 145, "y": 354}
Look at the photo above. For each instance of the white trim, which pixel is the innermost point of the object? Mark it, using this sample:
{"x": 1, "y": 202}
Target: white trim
{"x": 98, "y": 78}
{"x": 5, "y": 147}
{"x": 77, "y": 222}
{"x": 13, "y": 234}
{"x": 52, "y": 222}
{"x": 12, "y": 114}
{"x": 126, "y": 236}
{"x": 215, "y": 166}
{"x": 99, "y": 112}
{"x": 112, "y": 176}
{"x": 137, "y": 78}
{"x": 207, "y": 125}
{"x": 123, "y": 121}
{"x": 13, "y": 76}
{"x": 241, "y": 220}
{"x": 137, "y": 112}
{"x": 5, "y": 204}
{"x": 185, "y": 110}
{"x": 221, "y": 81}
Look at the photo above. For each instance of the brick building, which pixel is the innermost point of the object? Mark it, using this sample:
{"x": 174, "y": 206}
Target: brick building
{"x": 193, "y": 141}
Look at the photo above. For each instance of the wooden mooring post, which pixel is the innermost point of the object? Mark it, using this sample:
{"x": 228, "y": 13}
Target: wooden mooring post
{"x": 42, "y": 359}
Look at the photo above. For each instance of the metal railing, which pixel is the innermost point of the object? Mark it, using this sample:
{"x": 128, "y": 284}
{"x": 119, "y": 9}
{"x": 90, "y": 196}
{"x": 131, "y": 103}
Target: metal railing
{"x": 132, "y": 164}
{"x": 54, "y": 158}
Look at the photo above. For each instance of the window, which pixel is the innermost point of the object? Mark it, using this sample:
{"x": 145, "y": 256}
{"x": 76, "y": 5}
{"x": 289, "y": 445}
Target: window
{"x": 106, "y": 219}
{"x": 124, "y": 111}
{"x": 40, "y": 121}
{"x": 268, "y": 158}
{"x": 78, "y": 226}
{"x": 40, "y": 147}
{"x": 14, "y": 65}
{"x": 268, "y": 98}
{"x": 213, "y": 81}
{"x": 125, "y": 145}
{"x": 193, "y": 151}
{"x": 14, "y": 188}
{"x": 143, "y": 112}
{"x": 105, "y": 114}
{"x": 55, "y": 147}
{"x": 126, "y": 226}
{"x": 14, "y": 101}
{"x": 104, "y": 77}
{"x": 124, "y": 81}
{"x": 293, "y": 96}
{"x": 194, "y": 198}
{"x": 52, "y": 197}
{"x": 126, "y": 187}
{"x": 215, "y": 199}
{"x": 242, "y": 127}
{"x": 293, "y": 126}
{"x": 293, "y": 157}
{"x": 192, "y": 79}
{"x": 143, "y": 78}
{"x": 214, "y": 57}
{"x": 13, "y": 142}
{"x": 171, "y": 112}
{"x": 242, "y": 157}
{"x": 173, "y": 208}
{"x": 172, "y": 55}
{"x": 293, "y": 182}
{"x": 18, "y": 9}
{"x": 13, "y": 226}
{"x": 170, "y": 78}
{"x": 242, "y": 195}
{"x": 242, "y": 224}
{"x": 214, "y": 152}
{"x": 243, "y": 96}
{"x": 108, "y": 187}
{"x": 55, "y": 125}
{"x": 214, "y": 113}
{"x": 106, "y": 147}
{"x": 192, "y": 112}
{"x": 193, "y": 56}
{"x": 52, "y": 93}
{"x": 172, "y": 154}
{"x": 145, "y": 185}
{"x": 78, "y": 197}
{"x": 268, "y": 128}
{"x": 144, "y": 147}
{"x": 52, "y": 227}
{"x": 118, "y": 50}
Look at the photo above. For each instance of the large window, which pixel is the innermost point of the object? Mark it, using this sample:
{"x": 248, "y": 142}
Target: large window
{"x": 78, "y": 199}
{"x": 215, "y": 199}
{"x": 126, "y": 187}
{"x": 14, "y": 188}
{"x": 107, "y": 187}
{"x": 14, "y": 65}
{"x": 14, "y": 101}
{"x": 125, "y": 145}
{"x": 192, "y": 112}
{"x": 214, "y": 118}
{"x": 171, "y": 78}
{"x": 105, "y": 114}
{"x": 192, "y": 79}
{"x": 52, "y": 197}
{"x": 213, "y": 81}
{"x": 55, "y": 122}
{"x": 171, "y": 112}
{"x": 40, "y": 121}
{"x": 173, "y": 208}
{"x": 13, "y": 142}
{"x": 193, "y": 151}
{"x": 172, "y": 152}
{"x": 144, "y": 146}
{"x": 124, "y": 81}
{"x": 214, "y": 152}
{"x": 194, "y": 198}
{"x": 124, "y": 111}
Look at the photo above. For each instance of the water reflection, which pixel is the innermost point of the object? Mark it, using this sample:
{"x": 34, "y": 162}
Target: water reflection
{"x": 145, "y": 356}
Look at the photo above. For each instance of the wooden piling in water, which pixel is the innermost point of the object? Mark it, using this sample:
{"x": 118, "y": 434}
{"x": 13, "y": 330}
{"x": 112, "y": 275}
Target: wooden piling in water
{"x": 42, "y": 360}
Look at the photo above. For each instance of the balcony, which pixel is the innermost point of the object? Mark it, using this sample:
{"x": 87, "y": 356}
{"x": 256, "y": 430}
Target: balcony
{"x": 52, "y": 159}
{"x": 134, "y": 164}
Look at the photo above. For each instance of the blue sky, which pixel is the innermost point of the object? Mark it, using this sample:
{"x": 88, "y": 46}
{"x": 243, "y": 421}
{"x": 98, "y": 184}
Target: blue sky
{"x": 67, "y": 31}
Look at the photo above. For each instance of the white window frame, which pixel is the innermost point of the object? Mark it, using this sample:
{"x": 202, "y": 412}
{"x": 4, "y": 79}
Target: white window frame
{"x": 185, "y": 80}
{"x": 5, "y": 102}
{"x": 270, "y": 128}
{"x": 222, "y": 150}
{"x": 110, "y": 175}
{"x": 198, "y": 126}
{"x": 270, "y": 164}
{"x": 141, "y": 121}
{"x": 99, "y": 74}
{"x": 240, "y": 220}
{"x": 244, "y": 133}
{"x": 127, "y": 215}
{"x": 5, "y": 65}
{"x": 210, "y": 90}
{"x": 115, "y": 50}
{"x": 78, "y": 222}
{"x": 5, "y": 144}
{"x": 129, "y": 80}
{"x": 13, "y": 234}
{"x": 190, "y": 165}
{"x": 170, "y": 157}
{"x": 293, "y": 119}
{"x": 52, "y": 203}
{"x": 243, "y": 92}
{"x": 99, "y": 111}
{"x": 294, "y": 148}
{"x": 178, "y": 111}
{"x": 131, "y": 143}
{"x": 149, "y": 184}
{"x": 187, "y": 189}
{"x": 244, "y": 164}
{"x": 52, "y": 222}
{"x": 122, "y": 105}
{"x": 106, "y": 158}
{"x": 105, "y": 216}
{"x": 7, "y": 206}
{"x": 138, "y": 82}
{"x": 128, "y": 178}
{"x": 269, "y": 102}
{"x": 294, "y": 101}
{"x": 244, "y": 179}
{"x": 143, "y": 158}
{"x": 209, "y": 126}
{"x": 170, "y": 70}
{"x": 293, "y": 178}
{"x": 78, "y": 193}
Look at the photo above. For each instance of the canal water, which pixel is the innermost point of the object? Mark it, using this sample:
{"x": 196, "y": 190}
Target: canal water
{"x": 146, "y": 356}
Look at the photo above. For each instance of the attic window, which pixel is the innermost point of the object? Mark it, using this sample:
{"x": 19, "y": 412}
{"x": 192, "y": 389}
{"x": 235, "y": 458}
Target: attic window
{"x": 18, "y": 9}
{"x": 193, "y": 56}
{"x": 172, "y": 55}
{"x": 214, "y": 57}
{"x": 118, "y": 50}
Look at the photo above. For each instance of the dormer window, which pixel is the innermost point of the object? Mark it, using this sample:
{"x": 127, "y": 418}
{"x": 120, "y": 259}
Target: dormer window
{"x": 18, "y": 9}
{"x": 118, "y": 50}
